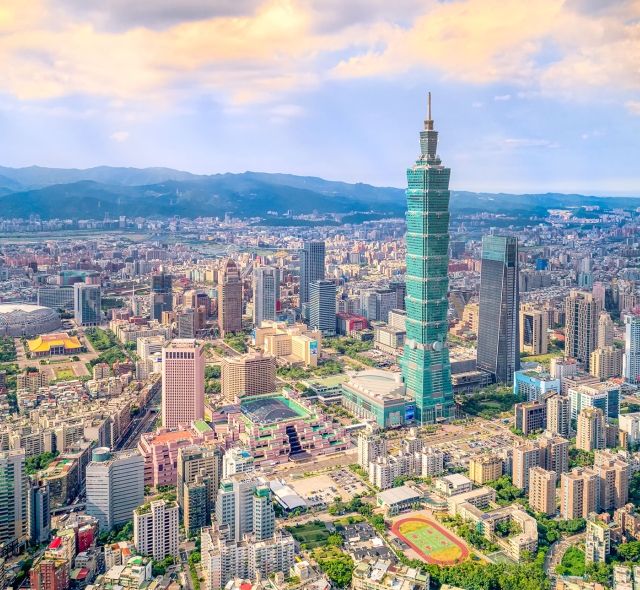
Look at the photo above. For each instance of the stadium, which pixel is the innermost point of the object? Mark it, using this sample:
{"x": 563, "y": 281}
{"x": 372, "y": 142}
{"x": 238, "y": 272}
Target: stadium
{"x": 23, "y": 319}
{"x": 277, "y": 428}
{"x": 270, "y": 409}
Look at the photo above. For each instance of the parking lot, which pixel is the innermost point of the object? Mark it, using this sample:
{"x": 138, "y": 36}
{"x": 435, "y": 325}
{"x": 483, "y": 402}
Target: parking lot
{"x": 322, "y": 489}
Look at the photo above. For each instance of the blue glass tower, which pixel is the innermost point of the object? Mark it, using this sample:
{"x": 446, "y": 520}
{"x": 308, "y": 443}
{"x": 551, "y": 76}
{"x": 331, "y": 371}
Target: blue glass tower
{"x": 425, "y": 360}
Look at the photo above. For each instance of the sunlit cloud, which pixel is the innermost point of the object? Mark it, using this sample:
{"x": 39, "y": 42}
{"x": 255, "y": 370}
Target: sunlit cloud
{"x": 247, "y": 51}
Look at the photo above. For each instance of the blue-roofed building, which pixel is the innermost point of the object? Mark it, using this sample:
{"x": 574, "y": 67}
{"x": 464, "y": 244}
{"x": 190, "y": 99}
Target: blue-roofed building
{"x": 534, "y": 385}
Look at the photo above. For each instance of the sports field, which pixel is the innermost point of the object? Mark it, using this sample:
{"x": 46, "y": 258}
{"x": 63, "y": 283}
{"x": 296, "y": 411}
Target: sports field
{"x": 430, "y": 541}
{"x": 311, "y": 534}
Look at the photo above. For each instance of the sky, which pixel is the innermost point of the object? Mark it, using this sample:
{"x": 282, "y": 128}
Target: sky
{"x": 528, "y": 95}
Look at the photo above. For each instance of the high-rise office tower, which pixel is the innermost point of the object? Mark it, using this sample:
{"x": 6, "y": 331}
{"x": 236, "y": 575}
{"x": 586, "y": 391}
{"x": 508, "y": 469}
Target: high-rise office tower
{"x": 377, "y": 303}
{"x": 631, "y": 370}
{"x": 14, "y": 491}
{"x": 322, "y": 307}
{"x": 249, "y": 374}
{"x": 559, "y": 415}
{"x": 56, "y": 297}
{"x": 582, "y": 312}
{"x": 605, "y": 330}
{"x": 311, "y": 267}
{"x": 39, "y": 512}
{"x": 530, "y": 416}
{"x": 542, "y": 490}
{"x": 425, "y": 361}
{"x": 182, "y": 382}
{"x": 266, "y": 292}
{"x": 161, "y": 295}
{"x": 186, "y": 323}
{"x": 498, "y": 330}
{"x": 204, "y": 461}
{"x": 400, "y": 288}
{"x": 115, "y": 486}
{"x": 87, "y": 308}
{"x": 533, "y": 331}
{"x": 591, "y": 433}
{"x": 230, "y": 299}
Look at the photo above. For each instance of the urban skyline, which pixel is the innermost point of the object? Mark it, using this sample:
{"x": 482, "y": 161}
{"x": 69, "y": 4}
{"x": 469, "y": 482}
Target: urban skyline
{"x": 537, "y": 98}
{"x": 277, "y": 382}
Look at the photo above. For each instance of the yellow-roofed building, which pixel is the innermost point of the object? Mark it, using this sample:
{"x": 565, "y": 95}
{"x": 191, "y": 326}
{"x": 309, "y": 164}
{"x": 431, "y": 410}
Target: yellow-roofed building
{"x": 55, "y": 344}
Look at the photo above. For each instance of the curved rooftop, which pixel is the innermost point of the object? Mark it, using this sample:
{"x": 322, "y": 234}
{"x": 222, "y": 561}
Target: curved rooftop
{"x": 26, "y": 319}
{"x": 378, "y": 383}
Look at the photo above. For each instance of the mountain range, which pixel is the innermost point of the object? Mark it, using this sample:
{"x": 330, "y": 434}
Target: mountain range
{"x": 164, "y": 192}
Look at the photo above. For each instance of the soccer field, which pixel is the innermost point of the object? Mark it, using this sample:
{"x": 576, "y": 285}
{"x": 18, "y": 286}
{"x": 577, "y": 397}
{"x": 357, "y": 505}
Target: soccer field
{"x": 433, "y": 543}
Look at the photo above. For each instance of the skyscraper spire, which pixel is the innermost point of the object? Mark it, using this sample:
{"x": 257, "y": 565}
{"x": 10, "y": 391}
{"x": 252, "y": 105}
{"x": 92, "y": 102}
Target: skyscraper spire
{"x": 425, "y": 361}
{"x": 428, "y": 124}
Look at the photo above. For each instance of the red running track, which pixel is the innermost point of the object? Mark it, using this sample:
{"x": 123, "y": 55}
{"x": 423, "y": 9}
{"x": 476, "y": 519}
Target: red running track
{"x": 395, "y": 529}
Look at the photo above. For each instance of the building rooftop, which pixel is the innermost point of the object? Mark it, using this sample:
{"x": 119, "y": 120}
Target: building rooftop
{"x": 399, "y": 494}
{"x": 378, "y": 384}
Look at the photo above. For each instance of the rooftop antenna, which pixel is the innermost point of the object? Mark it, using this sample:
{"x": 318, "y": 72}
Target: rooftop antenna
{"x": 428, "y": 124}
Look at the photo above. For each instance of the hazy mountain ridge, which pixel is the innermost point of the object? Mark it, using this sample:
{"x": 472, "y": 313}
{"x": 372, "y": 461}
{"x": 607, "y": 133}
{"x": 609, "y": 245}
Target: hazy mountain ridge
{"x": 163, "y": 192}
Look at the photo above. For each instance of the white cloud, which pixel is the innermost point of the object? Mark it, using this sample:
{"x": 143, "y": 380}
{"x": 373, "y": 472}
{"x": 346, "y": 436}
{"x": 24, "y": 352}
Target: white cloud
{"x": 119, "y": 136}
{"x": 502, "y": 97}
{"x": 633, "y": 106}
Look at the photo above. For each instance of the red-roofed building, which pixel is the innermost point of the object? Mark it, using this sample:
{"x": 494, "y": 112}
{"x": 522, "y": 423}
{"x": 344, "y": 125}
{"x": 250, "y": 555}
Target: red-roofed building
{"x": 160, "y": 452}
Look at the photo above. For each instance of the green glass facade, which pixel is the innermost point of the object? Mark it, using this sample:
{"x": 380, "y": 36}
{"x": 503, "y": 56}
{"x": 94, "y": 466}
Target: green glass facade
{"x": 425, "y": 360}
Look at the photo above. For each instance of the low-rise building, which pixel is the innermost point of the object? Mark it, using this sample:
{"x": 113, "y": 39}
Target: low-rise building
{"x": 452, "y": 485}
{"x": 382, "y": 574}
{"x": 396, "y": 500}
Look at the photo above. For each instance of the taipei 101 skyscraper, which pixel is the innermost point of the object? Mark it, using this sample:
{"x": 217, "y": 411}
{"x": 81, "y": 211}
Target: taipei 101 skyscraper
{"x": 425, "y": 360}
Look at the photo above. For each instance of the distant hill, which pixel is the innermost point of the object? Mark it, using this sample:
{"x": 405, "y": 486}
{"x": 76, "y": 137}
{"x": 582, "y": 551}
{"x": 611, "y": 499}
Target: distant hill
{"x": 163, "y": 192}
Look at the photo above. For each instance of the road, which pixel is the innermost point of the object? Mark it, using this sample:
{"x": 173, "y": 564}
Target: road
{"x": 556, "y": 553}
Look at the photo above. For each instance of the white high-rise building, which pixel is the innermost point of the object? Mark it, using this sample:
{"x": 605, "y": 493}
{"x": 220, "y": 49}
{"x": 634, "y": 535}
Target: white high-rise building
{"x": 224, "y": 560}
{"x": 630, "y": 423}
{"x": 266, "y": 291}
{"x": 155, "y": 529}
{"x": 631, "y": 363}
{"x": 182, "y": 382}
{"x": 371, "y": 445}
{"x": 235, "y": 506}
{"x": 115, "y": 486}
{"x": 14, "y": 489}
{"x": 237, "y": 460}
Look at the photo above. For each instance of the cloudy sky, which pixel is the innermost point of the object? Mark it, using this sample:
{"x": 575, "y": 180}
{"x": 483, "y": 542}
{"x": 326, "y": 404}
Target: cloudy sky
{"x": 529, "y": 95}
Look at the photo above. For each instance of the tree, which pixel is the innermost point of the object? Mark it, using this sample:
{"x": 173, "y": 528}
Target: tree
{"x": 629, "y": 551}
{"x": 337, "y": 565}
{"x": 598, "y": 572}
{"x": 334, "y": 540}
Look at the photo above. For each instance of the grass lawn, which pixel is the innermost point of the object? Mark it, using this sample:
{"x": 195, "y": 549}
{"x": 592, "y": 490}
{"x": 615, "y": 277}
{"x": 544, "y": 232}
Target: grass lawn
{"x": 64, "y": 373}
{"x": 540, "y": 358}
{"x": 310, "y": 534}
{"x": 572, "y": 563}
{"x": 433, "y": 543}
